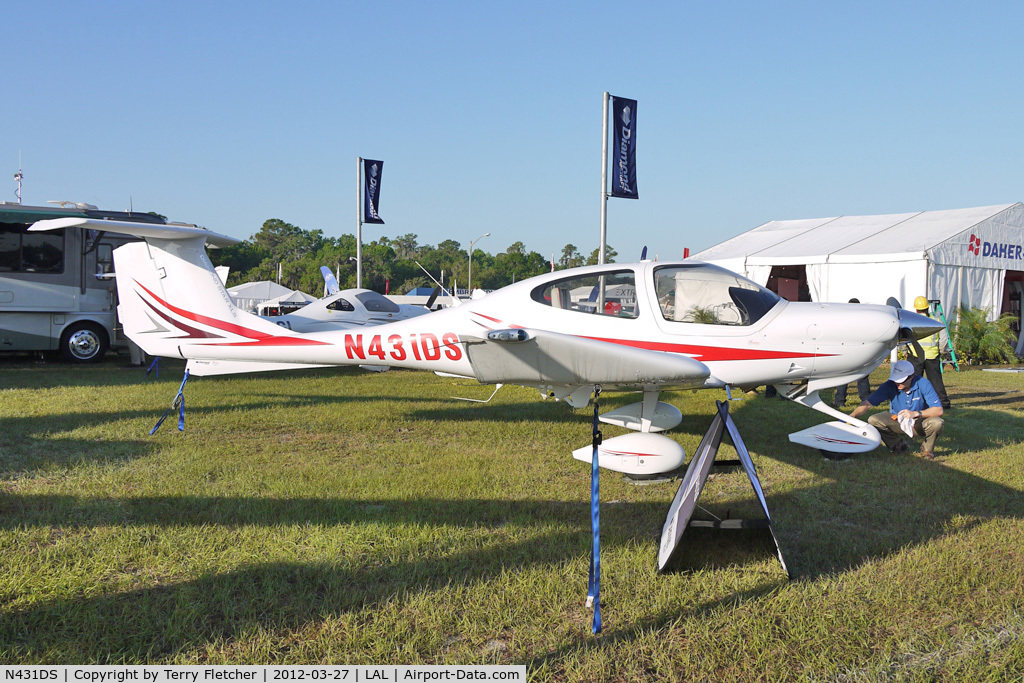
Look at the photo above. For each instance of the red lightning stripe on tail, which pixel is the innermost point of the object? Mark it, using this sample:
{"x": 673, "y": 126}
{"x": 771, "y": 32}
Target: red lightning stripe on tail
{"x": 258, "y": 338}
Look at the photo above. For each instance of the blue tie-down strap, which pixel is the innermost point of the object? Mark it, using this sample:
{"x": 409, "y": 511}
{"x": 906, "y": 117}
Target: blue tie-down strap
{"x": 154, "y": 366}
{"x": 594, "y": 582}
{"x": 179, "y": 404}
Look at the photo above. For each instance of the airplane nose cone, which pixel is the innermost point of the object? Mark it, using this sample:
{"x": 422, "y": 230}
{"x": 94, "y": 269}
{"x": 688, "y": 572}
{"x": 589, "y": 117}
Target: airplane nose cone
{"x": 916, "y": 326}
{"x": 876, "y": 325}
{"x": 853, "y": 324}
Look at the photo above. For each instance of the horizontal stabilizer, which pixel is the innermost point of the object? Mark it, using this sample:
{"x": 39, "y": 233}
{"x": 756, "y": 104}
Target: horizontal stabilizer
{"x": 145, "y": 230}
{"x": 209, "y": 368}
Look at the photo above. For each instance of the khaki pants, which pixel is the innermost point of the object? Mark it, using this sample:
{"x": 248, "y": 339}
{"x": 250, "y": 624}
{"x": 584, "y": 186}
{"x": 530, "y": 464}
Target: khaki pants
{"x": 889, "y": 429}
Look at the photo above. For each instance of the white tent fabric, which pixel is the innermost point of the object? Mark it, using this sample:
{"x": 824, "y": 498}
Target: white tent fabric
{"x": 958, "y": 256}
{"x": 249, "y": 295}
{"x": 289, "y": 301}
{"x": 292, "y": 297}
{"x": 986, "y": 282}
{"x": 265, "y": 289}
{"x": 758, "y": 274}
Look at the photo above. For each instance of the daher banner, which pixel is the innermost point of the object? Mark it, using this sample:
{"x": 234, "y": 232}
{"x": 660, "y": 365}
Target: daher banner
{"x": 624, "y": 141}
{"x": 372, "y": 171}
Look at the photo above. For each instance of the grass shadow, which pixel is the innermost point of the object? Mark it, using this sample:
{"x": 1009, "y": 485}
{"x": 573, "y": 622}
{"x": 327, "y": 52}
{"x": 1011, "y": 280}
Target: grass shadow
{"x": 167, "y": 620}
{"x": 874, "y": 504}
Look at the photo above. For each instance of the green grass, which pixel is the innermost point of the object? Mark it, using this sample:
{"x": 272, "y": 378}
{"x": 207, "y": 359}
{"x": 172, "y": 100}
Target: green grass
{"x": 349, "y": 517}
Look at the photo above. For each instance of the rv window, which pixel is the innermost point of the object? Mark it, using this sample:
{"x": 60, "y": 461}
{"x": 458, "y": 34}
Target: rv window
{"x": 10, "y": 250}
{"x": 26, "y": 252}
{"x": 104, "y": 259}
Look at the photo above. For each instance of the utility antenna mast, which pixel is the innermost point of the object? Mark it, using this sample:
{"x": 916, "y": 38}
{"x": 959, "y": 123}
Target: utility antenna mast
{"x": 18, "y": 176}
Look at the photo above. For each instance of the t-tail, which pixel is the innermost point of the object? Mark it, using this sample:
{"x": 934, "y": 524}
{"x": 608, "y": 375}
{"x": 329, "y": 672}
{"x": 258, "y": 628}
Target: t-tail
{"x": 170, "y": 297}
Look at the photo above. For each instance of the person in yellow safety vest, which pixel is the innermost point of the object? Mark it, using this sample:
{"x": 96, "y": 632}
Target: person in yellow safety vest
{"x": 931, "y": 365}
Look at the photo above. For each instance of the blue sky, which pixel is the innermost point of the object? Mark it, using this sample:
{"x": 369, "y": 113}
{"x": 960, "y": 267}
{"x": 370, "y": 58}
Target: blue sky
{"x": 488, "y": 115}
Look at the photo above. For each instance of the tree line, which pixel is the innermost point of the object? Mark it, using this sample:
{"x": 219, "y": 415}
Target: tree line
{"x": 388, "y": 264}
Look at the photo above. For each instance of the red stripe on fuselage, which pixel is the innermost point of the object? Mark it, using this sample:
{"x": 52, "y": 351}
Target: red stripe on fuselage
{"x": 709, "y": 353}
{"x": 703, "y": 353}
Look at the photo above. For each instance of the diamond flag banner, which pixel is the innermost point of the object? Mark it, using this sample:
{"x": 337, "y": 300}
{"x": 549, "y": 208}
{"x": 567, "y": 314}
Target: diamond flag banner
{"x": 624, "y": 145}
{"x": 372, "y": 171}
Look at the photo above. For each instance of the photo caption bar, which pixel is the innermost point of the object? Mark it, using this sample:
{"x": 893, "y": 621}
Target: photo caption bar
{"x": 200, "y": 673}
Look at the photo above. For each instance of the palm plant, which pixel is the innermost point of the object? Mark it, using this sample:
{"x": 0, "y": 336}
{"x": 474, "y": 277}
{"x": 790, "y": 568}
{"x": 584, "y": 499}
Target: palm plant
{"x": 981, "y": 340}
{"x": 704, "y": 315}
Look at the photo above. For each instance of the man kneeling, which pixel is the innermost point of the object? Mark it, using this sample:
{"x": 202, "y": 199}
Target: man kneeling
{"x": 914, "y": 408}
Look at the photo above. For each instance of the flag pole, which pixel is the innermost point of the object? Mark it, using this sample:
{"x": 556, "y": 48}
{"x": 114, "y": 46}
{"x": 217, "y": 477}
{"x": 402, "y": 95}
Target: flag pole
{"x": 359, "y": 222}
{"x": 604, "y": 182}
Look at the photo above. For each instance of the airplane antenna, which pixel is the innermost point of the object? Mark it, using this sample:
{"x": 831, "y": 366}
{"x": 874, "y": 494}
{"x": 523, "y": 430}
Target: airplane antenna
{"x": 433, "y": 278}
{"x": 18, "y": 176}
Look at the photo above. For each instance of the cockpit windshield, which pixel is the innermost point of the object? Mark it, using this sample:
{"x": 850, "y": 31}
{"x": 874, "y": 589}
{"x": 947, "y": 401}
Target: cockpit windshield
{"x": 709, "y": 295}
{"x": 376, "y": 303}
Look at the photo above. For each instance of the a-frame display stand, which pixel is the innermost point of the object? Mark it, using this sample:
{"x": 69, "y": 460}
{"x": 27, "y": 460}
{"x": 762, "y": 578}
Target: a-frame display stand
{"x": 679, "y": 514}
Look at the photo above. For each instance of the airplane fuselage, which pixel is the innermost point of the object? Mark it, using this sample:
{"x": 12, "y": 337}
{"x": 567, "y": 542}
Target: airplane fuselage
{"x": 745, "y": 335}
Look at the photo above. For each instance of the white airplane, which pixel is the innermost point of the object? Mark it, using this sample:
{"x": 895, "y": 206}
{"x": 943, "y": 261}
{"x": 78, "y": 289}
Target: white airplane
{"x": 662, "y": 325}
{"x": 340, "y": 309}
{"x": 345, "y": 309}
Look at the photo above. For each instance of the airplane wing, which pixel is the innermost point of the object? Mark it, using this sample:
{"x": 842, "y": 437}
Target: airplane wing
{"x": 540, "y": 358}
{"x": 168, "y": 231}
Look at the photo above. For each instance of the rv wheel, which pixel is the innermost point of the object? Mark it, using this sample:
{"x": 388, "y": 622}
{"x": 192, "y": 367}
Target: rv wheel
{"x": 83, "y": 343}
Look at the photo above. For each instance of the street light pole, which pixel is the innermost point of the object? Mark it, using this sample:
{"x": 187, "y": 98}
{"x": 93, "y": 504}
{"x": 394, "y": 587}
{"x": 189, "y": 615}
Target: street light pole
{"x": 469, "y": 284}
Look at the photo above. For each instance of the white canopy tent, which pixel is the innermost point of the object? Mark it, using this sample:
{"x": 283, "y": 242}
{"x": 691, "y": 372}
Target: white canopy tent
{"x": 249, "y": 295}
{"x": 292, "y": 300}
{"x": 962, "y": 257}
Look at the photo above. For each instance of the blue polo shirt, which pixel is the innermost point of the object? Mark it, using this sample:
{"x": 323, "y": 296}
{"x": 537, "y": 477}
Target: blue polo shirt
{"x": 920, "y": 395}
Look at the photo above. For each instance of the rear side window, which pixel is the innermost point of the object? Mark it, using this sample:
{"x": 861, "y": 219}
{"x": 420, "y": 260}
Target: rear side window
{"x": 611, "y": 294}
{"x": 341, "y": 304}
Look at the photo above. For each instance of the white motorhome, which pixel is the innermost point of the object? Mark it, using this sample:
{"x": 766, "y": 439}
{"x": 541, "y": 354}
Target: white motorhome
{"x": 57, "y": 289}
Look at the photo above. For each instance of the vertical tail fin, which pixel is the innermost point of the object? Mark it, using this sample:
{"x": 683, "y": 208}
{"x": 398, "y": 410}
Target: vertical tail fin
{"x": 171, "y": 298}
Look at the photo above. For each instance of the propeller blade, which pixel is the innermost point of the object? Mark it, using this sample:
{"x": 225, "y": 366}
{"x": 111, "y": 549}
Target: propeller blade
{"x": 433, "y": 298}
